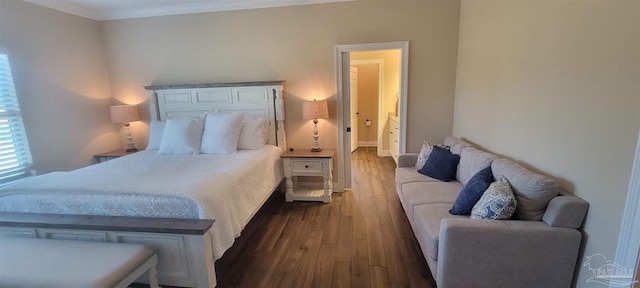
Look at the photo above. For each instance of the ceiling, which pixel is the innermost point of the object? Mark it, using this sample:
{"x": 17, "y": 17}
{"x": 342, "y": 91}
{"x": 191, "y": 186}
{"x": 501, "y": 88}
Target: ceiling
{"x": 122, "y": 9}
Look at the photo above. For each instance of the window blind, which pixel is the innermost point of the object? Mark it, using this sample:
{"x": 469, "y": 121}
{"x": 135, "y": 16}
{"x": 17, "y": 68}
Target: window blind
{"x": 15, "y": 156}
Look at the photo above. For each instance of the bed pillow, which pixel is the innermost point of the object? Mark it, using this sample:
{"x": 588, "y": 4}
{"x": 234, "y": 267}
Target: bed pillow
{"x": 221, "y": 133}
{"x": 155, "y": 135}
{"x": 471, "y": 192}
{"x": 181, "y": 136}
{"x": 425, "y": 152}
{"x": 497, "y": 203}
{"x": 253, "y": 134}
{"x": 441, "y": 165}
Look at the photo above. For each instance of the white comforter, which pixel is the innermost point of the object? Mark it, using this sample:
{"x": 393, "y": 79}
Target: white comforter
{"x": 228, "y": 188}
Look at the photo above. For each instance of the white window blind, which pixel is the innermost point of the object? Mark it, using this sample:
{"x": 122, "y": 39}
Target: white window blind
{"x": 15, "y": 156}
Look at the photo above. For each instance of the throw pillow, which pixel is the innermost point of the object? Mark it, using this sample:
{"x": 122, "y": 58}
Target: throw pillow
{"x": 498, "y": 202}
{"x": 425, "y": 152}
{"x": 182, "y": 136}
{"x": 471, "y": 192}
{"x": 441, "y": 165}
{"x": 253, "y": 134}
{"x": 155, "y": 135}
{"x": 221, "y": 133}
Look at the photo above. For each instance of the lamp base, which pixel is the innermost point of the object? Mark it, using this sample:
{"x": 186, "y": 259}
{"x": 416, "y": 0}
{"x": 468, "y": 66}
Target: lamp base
{"x": 316, "y": 149}
{"x": 132, "y": 150}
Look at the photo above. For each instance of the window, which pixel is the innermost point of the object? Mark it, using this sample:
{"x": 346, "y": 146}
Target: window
{"x": 15, "y": 157}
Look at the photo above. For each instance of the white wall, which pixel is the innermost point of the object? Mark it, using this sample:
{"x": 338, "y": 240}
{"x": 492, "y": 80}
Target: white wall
{"x": 555, "y": 86}
{"x": 60, "y": 74}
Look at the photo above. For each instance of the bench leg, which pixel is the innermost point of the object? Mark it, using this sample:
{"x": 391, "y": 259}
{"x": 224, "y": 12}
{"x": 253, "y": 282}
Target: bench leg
{"x": 153, "y": 277}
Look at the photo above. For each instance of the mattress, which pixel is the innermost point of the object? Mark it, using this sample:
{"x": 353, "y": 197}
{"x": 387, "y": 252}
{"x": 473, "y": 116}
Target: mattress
{"x": 229, "y": 188}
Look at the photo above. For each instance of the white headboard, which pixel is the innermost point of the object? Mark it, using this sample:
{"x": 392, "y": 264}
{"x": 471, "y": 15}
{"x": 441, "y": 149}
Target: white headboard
{"x": 256, "y": 99}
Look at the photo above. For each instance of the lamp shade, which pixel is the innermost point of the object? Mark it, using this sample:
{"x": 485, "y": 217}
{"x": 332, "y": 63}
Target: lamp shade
{"x": 124, "y": 114}
{"x": 315, "y": 110}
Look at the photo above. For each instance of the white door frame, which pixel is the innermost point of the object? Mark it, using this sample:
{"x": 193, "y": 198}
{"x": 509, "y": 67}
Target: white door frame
{"x": 380, "y": 131}
{"x": 629, "y": 241}
{"x": 343, "y": 105}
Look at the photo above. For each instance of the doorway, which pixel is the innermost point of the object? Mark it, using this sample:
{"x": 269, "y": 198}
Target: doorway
{"x": 370, "y": 103}
{"x": 343, "y": 65}
{"x": 628, "y": 250}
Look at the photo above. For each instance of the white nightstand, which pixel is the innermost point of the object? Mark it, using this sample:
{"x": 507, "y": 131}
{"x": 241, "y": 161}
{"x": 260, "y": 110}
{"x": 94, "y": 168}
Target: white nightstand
{"x": 112, "y": 155}
{"x": 307, "y": 163}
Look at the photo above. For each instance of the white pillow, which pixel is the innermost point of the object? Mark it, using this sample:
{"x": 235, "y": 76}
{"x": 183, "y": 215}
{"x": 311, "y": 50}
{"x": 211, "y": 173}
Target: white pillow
{"x": 253, "y": 135}
{"x": 182, "y": 136}
{"x": 155, "y": 135}
{"x": 221, "y": 133}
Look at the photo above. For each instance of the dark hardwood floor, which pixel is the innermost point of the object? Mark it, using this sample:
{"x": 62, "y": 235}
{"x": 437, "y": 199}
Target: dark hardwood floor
{"x": 361, "y": 239}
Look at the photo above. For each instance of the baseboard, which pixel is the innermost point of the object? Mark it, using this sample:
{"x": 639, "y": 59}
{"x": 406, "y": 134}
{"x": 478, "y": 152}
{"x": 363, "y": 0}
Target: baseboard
{"x": 367, "y": 143}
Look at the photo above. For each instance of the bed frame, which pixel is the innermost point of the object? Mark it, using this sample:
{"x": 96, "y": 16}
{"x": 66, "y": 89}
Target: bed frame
{"x": 185, "y": 257}
{"x": 256, "y": 99}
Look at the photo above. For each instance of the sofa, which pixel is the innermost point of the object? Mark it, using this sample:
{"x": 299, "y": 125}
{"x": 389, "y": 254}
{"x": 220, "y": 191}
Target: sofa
{"x": 537, "y": 247}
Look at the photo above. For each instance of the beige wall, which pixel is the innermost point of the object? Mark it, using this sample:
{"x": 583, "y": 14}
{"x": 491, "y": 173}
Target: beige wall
{"x": 296, "y": 44}
{"x": 367, "y": 101}
{"x": 60, "y": 75}
{"x": 554, "y": 85}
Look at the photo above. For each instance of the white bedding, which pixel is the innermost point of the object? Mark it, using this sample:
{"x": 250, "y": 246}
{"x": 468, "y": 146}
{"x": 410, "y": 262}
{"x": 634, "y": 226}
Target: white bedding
{"x": 228, "y": 188}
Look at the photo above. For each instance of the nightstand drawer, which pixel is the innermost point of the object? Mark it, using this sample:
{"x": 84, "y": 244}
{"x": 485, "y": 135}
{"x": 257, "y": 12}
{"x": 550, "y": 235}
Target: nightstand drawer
{"x": 303, "y": 167}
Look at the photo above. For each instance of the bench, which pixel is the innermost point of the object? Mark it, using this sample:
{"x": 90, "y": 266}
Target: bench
{"x": 64, "y": 263}
{"x": 184, "y": 250}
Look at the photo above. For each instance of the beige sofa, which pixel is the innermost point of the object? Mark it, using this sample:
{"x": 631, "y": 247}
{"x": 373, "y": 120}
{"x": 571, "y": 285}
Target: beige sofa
{"x": 538, "y": 247}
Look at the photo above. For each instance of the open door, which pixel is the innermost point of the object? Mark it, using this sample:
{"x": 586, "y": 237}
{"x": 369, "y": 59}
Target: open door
{"x": 354, "y": 107}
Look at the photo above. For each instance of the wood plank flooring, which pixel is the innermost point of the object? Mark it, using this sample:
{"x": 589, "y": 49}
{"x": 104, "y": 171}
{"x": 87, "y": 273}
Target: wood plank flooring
{"x": 361, "y": 239}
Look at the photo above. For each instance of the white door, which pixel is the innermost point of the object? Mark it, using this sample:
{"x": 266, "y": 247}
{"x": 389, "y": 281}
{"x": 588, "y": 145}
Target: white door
{"x": 354, "y": 107}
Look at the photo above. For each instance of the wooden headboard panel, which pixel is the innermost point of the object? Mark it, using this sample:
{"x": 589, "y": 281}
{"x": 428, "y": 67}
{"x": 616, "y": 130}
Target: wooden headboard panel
{"x": 256, "y": 99}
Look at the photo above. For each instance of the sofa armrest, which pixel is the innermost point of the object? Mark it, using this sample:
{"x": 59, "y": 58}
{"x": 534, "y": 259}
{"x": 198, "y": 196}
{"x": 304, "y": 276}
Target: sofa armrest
{"x": 566, "y": 211}
{"x": 407, "y": 159}
{"x": 505, "y": 253}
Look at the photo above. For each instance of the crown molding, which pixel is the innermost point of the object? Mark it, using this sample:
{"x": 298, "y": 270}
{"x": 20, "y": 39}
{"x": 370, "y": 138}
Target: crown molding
{"x": 102, "y": 10}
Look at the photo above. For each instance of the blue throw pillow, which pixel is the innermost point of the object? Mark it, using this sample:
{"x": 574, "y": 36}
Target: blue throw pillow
{"x": 471, "y": 192}
{"x": 441, "y": 165}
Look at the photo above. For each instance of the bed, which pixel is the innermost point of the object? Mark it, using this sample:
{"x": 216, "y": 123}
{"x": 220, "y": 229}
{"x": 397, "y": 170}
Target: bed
{"x": 229, "y": 188}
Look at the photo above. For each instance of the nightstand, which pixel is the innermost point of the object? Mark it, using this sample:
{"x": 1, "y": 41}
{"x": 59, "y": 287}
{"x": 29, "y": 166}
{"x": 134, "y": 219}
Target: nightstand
{"x": 311, "y": 164}
{"x": 112, "y": 155}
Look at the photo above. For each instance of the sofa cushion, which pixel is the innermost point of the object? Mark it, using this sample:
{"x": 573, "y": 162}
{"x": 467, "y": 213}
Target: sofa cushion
{"x": 419, "y": 193}
{"x": 472, "y": 160}
{"x": 533, "y": 191}
{"x": 442, "y": 165}
{"x": 408, "y": 175}
{"x": 497, "y": 203}
{"x": 427, "y": 226}
{"x": 456, "y": 145}
{"x": 472, "y": 191}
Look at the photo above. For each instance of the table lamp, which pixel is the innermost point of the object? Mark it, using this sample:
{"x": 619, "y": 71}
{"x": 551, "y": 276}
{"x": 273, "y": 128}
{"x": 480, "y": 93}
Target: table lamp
{"x": 315, "y": 110}
{"x": 123, "y": 114}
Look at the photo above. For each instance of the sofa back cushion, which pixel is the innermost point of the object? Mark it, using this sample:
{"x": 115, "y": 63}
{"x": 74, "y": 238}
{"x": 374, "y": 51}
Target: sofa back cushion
{"x": 472, "y": 161}
{"x": 456, "y": 145}
{"x": 533, "y": 191}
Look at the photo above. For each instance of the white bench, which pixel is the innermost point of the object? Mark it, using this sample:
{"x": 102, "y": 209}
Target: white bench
{"x": 63, "y": 263}
{"x": 185, "y": 257}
